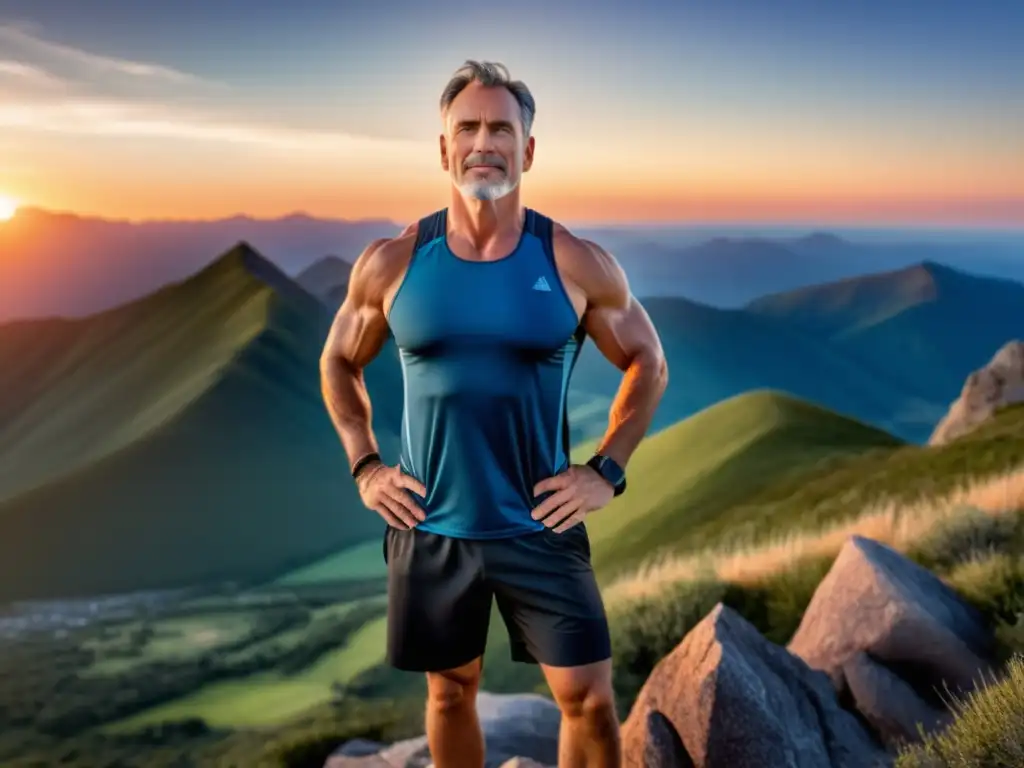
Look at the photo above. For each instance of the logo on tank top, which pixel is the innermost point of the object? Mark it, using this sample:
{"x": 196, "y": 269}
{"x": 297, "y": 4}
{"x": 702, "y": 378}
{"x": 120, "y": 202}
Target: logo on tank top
{"x": 541, "y": 284}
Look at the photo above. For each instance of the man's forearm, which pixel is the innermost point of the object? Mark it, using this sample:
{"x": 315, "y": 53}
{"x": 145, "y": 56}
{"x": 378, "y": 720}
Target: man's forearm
{"x": 348, "y": 404}
{"x": 633, "y": 409}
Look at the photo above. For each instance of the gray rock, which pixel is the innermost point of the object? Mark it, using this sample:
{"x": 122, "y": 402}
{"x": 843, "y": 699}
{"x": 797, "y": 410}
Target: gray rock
{"x": 738, "y": 700}
{"x": 888, "y": 703}
{"x": 997, "y": 384}
{"x": 877, "y": 601}
{"x": 663, "y": 747}
{"x": 359, "y": 748}
{"x": 521, "y": 726}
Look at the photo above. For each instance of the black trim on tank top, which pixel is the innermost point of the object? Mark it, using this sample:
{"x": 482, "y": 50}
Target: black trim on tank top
{"x": 543, "y": 228}
{"x": 431, "y": 227}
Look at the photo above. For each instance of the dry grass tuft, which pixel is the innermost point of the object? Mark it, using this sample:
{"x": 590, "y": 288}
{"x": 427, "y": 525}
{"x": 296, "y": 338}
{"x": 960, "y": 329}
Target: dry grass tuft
{"x": 899, "y": 525}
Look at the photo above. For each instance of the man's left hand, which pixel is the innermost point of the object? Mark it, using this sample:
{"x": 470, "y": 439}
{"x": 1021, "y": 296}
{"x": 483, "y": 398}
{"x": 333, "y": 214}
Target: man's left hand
{"x": 578, "y": 491}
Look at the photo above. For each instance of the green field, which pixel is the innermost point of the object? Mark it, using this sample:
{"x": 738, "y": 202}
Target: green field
{"x": 362, "y": 561}
{"x": 274, "y": 697}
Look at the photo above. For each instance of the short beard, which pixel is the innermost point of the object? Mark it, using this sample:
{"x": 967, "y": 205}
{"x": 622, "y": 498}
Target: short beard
{"x": 487, "y": 190}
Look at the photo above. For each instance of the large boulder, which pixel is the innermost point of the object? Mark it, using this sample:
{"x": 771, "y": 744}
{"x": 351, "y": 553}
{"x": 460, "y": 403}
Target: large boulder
{"x": 893, "y": 638}
{"x": 997, "y": 384}
{"x": 886, "y": 701}
{"x": 737, "y": 700}
{"x": 523, "y": 726}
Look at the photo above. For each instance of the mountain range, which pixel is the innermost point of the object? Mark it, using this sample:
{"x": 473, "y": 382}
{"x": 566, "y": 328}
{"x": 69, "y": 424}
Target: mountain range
{"x": 181, "y": 436}
{"x": 58, "y": 264}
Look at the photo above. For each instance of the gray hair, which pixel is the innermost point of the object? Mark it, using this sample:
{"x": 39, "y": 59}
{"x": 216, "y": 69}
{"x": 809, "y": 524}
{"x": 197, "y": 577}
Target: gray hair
{"x": 491, "y": 74}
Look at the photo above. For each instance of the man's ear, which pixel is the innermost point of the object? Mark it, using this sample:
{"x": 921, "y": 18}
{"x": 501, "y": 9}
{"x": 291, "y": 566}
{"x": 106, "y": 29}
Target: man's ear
{"x": 528, "y": 154}
{"x": 444, "y": 153}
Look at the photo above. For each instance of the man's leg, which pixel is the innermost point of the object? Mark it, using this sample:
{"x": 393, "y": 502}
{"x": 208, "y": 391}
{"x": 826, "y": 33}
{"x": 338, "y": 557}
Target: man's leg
{"x": 549, "y": 598}
{"x": 589, "y": 734}
{"x": 439, "y": 608}
{"x": 453, "y": 729}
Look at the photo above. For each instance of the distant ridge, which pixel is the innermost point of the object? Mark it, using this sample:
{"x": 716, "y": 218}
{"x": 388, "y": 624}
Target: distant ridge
{"x": 926, "y": 326}
{"x": 714, "y": 354}
{"x": 104, "y": 263}
{"x": 327, "y": 279}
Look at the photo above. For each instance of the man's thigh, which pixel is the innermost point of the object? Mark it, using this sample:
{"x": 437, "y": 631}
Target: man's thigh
{"x": 548, "y": 596}
{"x": 438, "y": 601}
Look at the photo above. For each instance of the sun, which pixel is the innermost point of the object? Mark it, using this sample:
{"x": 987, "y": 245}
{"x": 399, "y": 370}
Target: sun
{"x": 8, "y": 207}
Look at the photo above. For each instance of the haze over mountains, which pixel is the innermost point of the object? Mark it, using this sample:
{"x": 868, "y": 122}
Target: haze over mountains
{"x": 181, "y": 437}
{"x": 67, "y": 265}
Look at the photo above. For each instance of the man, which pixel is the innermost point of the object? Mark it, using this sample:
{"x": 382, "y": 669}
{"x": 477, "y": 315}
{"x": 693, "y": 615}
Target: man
{"x": 489, "y": 303}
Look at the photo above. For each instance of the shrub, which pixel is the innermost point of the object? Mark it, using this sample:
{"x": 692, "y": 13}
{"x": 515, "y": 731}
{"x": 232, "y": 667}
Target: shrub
{"x": 379, "y": 720}
{"x": 994, "y": 584}
{"x": 988, "y": 731}
{"x": 964, "y": 536}
{"x": 776, "y": 604}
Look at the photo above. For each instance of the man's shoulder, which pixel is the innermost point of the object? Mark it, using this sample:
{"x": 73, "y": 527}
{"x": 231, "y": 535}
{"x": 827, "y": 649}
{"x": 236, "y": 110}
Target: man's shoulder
{"x": 387, "y": 252}
{"x": 382, "y": 262}
{"x": 584, "y": 261}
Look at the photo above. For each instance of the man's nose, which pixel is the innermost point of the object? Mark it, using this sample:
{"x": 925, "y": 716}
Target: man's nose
{"x": 484, "y": 140}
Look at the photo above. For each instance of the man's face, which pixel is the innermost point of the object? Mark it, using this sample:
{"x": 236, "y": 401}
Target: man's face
{"x": 483, "y": 147}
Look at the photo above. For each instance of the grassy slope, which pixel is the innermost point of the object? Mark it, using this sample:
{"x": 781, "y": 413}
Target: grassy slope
{"x": 685, "y": 480}
{"x": 926, "y": 326}
{"x": 714, "y": 354}
{"x": 178, "y": 438}
{"x": 905, "y": 474}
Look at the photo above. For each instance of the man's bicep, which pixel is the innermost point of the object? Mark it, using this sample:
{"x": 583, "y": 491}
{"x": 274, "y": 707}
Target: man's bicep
{"x": 359, "y": 328}
{"x": 615, "y": 320}
{"x": 622, "y": 332}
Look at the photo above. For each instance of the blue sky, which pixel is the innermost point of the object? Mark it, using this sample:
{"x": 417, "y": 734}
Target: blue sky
{"x": 750, "y": 106}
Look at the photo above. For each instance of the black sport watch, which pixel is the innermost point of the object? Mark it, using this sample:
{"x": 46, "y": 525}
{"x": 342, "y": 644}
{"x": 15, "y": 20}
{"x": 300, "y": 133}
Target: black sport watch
{"x": 610, "y": 470}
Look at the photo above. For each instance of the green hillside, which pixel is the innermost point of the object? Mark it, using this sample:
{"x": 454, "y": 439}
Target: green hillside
{"x": 178, "y": 438}
{"x": 926, "y": 327}
{"x": 687, "y": 480}
{"x": 714, "y": 354}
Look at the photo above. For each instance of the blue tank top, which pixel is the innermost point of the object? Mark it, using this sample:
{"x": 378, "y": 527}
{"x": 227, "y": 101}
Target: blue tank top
{"x": 487, "y": 349}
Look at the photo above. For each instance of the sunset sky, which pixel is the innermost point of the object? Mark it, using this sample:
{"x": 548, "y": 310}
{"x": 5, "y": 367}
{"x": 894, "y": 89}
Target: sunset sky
{"x": 739, "y": 110}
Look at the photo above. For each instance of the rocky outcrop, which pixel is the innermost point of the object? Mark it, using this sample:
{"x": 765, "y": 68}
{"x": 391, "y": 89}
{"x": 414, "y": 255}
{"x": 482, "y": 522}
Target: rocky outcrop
{"x": 521, "y": 727}
{"x": 881, "y": 646}
{"x": 997, "y": 384}
{"x": 737, "y": 700}
{"x": 893, "y": 638}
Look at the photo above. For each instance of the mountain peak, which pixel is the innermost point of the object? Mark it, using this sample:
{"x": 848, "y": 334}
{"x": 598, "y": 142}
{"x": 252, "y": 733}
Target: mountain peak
{"x": 820, "y": 240}
{"x": 242, "y": 256}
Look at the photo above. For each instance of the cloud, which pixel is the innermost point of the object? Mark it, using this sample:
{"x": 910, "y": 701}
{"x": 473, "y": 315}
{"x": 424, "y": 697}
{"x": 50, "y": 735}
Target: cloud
{"x": 29, "y": 73}
{"x": 25, "y": 36}
{"x": 111, "y": 118}
{"x": 34, "y": 100}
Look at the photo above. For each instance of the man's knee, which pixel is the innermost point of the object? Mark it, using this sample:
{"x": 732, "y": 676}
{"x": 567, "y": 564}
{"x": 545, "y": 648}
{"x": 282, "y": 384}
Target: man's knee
{"x": 584, "y": 692}
{"x": 453, "y": 689}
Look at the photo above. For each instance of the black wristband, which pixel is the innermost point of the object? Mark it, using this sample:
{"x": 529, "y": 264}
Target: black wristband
{"x": 374, "y": 456}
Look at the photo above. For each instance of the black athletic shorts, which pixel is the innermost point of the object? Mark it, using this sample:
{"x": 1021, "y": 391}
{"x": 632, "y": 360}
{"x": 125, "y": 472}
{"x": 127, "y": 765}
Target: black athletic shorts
{"x": 440, "y": 590}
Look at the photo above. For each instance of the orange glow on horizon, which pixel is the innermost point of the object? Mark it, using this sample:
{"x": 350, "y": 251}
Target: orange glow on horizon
{"x": 568, "y": 201}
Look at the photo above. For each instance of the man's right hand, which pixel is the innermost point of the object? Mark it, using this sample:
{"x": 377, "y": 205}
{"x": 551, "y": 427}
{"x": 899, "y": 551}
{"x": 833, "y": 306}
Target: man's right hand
{"x": 385, "y": 490}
